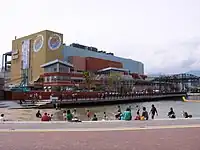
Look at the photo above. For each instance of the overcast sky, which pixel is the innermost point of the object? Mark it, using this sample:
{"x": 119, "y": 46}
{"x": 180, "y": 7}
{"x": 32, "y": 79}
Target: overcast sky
{"x": 163, "y": 34}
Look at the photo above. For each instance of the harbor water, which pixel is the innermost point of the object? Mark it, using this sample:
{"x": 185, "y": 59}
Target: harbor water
{"x": 162, "y": 107}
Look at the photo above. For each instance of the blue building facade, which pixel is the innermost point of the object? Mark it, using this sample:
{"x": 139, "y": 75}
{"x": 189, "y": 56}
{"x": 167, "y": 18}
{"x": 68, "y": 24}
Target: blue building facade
{"x": 132, "y": 65}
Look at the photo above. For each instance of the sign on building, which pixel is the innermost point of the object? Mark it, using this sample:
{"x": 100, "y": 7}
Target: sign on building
{"x": 25, "y": 54}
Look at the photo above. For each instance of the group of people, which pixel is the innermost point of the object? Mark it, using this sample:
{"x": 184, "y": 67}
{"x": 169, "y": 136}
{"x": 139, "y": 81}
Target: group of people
{"x": 45, "y": 116}
{"x": 127, "y": 115}
{"x": 72, "y": 116}
{"x": 171, "y": 114}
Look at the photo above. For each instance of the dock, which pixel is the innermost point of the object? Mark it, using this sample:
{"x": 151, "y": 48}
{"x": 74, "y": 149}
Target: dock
{"x": 107, "y": 100}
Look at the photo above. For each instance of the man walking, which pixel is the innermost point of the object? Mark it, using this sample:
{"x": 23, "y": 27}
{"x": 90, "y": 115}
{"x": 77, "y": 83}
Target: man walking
{"x": 153, "y": 111}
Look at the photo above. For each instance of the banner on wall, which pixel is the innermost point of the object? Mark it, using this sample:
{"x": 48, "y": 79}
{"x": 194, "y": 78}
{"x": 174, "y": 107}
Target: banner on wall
{"x": 25, "y": 54}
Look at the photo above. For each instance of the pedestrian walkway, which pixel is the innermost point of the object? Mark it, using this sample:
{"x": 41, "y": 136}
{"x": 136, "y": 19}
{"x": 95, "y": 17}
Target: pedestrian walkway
{"x": 97, "y": 125}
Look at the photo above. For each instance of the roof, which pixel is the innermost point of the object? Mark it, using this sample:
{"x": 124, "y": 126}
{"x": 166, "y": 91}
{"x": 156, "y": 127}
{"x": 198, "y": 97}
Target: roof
{"x": 115, "y": 69}
{"x": 55, "y": 62}
{"x": 8, "y": 53}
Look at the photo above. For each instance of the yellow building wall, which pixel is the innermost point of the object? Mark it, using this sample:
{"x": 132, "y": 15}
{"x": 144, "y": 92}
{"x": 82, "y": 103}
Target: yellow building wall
{"x": 52, "y": 54}
{"x": 38, "y": 55}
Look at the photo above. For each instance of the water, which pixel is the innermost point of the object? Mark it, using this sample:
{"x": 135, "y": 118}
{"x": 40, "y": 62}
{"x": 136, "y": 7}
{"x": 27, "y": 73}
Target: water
{"x": 10, "y": 104}
{"x": 162, "y": 107}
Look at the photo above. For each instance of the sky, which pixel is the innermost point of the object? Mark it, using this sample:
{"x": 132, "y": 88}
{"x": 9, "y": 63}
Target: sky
{"x": 163, "y": 34}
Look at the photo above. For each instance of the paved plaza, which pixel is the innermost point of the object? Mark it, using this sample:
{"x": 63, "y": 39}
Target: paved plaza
{"x": 117, "y": 135}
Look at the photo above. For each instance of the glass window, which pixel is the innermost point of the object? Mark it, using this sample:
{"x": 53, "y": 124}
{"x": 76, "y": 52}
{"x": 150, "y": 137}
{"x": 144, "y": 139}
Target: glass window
{"x": 61, "y": 69}
{"x": 45, "y": 79}
{"x": 60, "y": 78}
{"x": 54, "y": 78}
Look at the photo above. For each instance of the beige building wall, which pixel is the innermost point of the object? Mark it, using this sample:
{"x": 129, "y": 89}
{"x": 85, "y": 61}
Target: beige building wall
{"x": 54, "y": 52}
{"x": 40, "y": 52}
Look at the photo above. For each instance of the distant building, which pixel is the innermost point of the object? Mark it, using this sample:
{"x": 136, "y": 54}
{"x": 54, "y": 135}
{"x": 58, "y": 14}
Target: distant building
{"x": 44, "y": 54}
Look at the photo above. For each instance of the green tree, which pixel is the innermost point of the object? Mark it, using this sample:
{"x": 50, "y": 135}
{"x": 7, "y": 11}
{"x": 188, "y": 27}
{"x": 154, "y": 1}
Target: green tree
{"x": 114, "y": 81}
{"x": 89, "y": 79}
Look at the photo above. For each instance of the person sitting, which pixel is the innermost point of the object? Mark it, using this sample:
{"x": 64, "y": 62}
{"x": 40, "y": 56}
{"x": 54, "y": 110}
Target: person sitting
{"x": 64, "y": 115}
{"x": 75, "y": 116}
{"x": 171, "y": 113}
{"x": 186, "y": 115}
{"x": 137, "y": 117}
{"x": 105, "y": 116}
{"x": 45, "y": 117}
{"x": 2, "y": 118}
{"x": 69, "y": 116}
{"x": 127, "y": 115}
{"x": 94, "y": 118}
{"x": 145, "y": 115}
{"x": 74, "y": 113}
{"x": 50, "y": 117}
{"x": 38, "y": 114}
{"x": 119, "y": 113}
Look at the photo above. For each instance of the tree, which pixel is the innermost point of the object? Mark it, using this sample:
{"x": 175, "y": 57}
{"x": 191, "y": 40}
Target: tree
{"x": 89, "y": 78}
{"x": 114, "y": 81}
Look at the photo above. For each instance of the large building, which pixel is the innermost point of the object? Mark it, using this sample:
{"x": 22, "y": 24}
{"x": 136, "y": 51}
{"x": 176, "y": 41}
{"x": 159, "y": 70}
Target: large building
{"x": 32, "y": 53}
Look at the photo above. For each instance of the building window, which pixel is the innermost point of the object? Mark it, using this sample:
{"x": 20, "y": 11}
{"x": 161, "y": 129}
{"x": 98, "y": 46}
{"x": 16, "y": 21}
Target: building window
{"x": 54, "y": 78}
{"x": 60, "y": 78}
{"x": 54, "y": 69}
{"x": 66, "y": 78}
{"x": 61, "y": 69}
{"x": 47, "y": 79}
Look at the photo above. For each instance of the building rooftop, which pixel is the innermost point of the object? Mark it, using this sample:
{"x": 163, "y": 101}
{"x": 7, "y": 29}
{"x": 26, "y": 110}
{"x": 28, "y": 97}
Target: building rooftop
{"x": 8, "y": 53}
{"x": 114, "y": 69}
{"x": 55, "y": 62}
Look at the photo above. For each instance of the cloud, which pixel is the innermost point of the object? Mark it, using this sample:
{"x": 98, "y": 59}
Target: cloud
{"x": 175, "y": 58}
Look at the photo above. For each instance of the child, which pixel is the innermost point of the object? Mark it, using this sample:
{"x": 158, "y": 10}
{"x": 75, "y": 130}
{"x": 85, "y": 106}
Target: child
{"x": 137, "y": 117}
{"x": 2, "y": 118}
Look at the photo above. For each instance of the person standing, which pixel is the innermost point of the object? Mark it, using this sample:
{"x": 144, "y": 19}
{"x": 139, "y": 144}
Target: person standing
{"x": 88, "y": 114}
{"x": 153, "y": 111}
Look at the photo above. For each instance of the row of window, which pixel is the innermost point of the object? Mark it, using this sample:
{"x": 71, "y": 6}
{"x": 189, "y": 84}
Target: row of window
{"x": 54, "y": 69}
{"x": 60, "y": 78}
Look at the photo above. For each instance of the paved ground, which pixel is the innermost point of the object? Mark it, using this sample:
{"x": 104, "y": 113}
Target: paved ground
{"x": 133, "y": 135}
{"x": 112, "y": 125}
{"x": 159, "y": 139}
